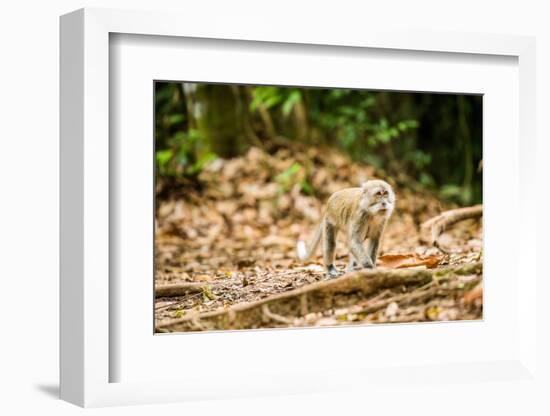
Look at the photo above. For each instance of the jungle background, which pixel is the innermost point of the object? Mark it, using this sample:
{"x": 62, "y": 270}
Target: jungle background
{"x": 242, "y": 173}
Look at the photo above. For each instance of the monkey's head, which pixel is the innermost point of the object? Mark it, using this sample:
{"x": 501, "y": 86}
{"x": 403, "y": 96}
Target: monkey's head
{"x": 378, "y": 197}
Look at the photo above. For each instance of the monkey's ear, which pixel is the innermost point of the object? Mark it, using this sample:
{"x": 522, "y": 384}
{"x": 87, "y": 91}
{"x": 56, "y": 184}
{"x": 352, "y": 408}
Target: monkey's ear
{"x": 364, "y": 185}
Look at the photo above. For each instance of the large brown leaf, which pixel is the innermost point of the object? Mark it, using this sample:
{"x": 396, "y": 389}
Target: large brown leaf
{"x": 400, "y": 261}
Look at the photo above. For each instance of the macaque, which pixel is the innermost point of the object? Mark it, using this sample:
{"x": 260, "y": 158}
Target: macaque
{"x": 362, "y": 213}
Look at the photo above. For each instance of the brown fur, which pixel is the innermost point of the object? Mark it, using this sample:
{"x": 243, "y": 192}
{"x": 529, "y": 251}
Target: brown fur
{"x": 362, "y": 213}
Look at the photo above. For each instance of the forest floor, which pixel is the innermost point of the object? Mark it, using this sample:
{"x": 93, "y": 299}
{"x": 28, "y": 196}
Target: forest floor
{"x": 236, "y": 235}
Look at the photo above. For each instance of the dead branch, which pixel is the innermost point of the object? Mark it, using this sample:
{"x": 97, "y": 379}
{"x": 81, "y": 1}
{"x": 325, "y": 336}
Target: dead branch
{"x": 316, "y": 297}
{"x": 439, "y": 224}
{"x": 179, "y": 289}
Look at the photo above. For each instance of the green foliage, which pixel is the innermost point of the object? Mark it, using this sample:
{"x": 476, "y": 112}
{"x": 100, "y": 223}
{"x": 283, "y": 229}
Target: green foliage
{"x": 295, "y": 174}
{"x": 177, "y": 144}
{"x": 347, "y": 118}
{"x": 183, "y": 157}
{"x": 274, "y": 97}
{"x": 434, "y": 138}
{"x": 460, "y": 194}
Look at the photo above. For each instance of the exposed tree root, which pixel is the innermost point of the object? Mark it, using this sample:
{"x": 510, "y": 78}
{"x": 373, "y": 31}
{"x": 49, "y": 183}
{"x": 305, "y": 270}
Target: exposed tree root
{"x": 285, "y": 308}
{"x": 270, "y": 316}
{"x": 423, "y": 294}
{"x": 179, "y": 289}
{"x": 439, "y": 224}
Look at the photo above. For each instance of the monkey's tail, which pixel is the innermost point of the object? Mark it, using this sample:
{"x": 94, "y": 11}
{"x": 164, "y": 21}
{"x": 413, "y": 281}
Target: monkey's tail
{"x": 305, "y": 252}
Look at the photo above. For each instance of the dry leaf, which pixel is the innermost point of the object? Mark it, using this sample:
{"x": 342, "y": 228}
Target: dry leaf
{"x": 475, "y": 293}
{"x": 399, "y": 261}
{"x": 432, "y": 313}
{"x": 202, "y": 278}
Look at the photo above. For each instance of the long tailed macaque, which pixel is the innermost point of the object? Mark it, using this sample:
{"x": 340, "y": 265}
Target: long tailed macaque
{"x": 362, "y": 213}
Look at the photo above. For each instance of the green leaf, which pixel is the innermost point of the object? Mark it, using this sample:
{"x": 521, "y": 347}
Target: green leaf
{"x": 290, "y": 101}
{"x": 175, "y": 119}
{"x": 164, "y": 156}
{"x": 265, "y": 96}
{"x": 426, "y": 179}
{"x": 306, "y": 187}
{"x": 450, "y": 191}
{"x": 287, "y": 178}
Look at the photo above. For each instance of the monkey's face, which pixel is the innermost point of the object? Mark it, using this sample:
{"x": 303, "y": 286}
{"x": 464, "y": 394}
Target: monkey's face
{"x": 378, "y": 198}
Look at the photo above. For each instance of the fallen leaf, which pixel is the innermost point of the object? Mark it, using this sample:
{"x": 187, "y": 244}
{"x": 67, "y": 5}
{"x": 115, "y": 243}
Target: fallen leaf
{"x": 399, "y": 261}
{"x": 202, "y": 278}
{"x": 180, "y": 313}
{"x": 432, "y": 313}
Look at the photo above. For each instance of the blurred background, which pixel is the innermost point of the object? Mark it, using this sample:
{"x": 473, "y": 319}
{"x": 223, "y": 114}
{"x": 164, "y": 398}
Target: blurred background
{"x": 427, "y": 140}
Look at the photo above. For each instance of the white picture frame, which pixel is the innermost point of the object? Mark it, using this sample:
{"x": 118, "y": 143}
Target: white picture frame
{"x": 87, "y": 302}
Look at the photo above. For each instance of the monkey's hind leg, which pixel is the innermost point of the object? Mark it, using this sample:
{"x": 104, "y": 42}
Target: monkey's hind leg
{"x": 329, "y": 245}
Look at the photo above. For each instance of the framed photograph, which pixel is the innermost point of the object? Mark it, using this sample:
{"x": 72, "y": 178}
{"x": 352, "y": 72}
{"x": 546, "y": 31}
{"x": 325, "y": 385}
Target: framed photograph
{"x": 291, "y": 213}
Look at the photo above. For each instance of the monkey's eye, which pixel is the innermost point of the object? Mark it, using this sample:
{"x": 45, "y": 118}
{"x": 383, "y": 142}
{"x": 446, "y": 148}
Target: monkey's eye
{"x": 379, "y": 193}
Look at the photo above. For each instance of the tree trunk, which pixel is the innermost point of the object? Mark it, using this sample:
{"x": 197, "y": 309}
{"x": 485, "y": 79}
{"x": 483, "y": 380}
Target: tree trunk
{"x": 221, "y": 119}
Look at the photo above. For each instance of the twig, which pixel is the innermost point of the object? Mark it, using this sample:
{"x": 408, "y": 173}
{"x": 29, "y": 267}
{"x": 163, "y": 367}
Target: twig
{"x": 158, "y": 308}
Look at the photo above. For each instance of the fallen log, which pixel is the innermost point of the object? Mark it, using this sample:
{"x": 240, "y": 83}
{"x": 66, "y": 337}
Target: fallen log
{"x": 283, "y": 308}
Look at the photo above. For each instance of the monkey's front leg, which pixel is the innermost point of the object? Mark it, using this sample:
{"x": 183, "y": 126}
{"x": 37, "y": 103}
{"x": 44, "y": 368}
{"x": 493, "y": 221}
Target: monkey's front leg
{"x": 352, "y": 264}
{"x": 358, "y": 251}
{"x": 372, "y": 248}
{"x": 356, "y": 236}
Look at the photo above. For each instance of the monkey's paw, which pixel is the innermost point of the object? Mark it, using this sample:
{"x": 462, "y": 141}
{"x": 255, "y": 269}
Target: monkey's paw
{"x": 332, "y": 272}
{"x": 368, "y": 265}
{"x": 352, "y": 267}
